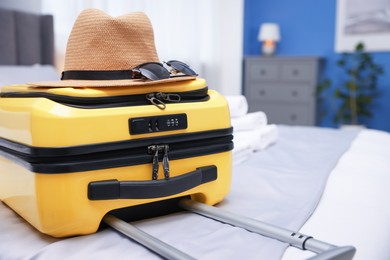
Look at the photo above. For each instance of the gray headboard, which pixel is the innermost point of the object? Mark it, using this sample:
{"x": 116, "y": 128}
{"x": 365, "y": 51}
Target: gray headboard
{"x": 26, "y": 38}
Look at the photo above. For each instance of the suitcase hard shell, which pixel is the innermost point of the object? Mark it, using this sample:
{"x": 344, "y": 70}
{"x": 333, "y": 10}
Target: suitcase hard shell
{"x": 68, "y": 156}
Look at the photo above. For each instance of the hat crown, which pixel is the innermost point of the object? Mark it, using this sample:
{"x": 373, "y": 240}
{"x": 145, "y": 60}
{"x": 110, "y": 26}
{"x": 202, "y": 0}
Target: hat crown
{"x": 101, "y": 42}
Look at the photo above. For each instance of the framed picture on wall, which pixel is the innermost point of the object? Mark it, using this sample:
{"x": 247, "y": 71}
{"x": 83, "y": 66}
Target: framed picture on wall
{"x": 362, "y": 21}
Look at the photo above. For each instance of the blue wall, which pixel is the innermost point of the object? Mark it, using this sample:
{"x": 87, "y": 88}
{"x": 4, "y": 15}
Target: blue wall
{"x": 308, "y": 29}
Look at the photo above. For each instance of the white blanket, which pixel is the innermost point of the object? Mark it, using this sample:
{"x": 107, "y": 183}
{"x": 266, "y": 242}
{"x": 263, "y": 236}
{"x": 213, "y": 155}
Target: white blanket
{"x": 354, "y": 208}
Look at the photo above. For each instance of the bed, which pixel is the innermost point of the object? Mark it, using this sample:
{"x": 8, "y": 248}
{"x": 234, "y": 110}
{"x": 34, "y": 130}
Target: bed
{"x": 327, "y": 183}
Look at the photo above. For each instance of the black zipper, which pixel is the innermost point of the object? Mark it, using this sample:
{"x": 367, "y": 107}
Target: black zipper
{"x": 156, "y": 150}
{"x": 159, "y": 99}
{"x": 153, "y": 153}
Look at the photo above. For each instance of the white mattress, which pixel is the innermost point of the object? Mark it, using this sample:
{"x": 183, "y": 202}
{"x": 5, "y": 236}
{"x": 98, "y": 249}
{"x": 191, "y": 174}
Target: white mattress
{"x": 352, "y": 210}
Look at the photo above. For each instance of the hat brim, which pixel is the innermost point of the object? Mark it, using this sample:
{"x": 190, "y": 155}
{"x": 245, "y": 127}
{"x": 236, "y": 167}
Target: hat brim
{"x": 106, "y": 83}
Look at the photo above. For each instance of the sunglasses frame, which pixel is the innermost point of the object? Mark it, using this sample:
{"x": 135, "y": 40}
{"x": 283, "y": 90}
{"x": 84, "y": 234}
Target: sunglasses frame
{"x": 176, "y": 70}
{"x": 138, "y": 72}
{"x": 141, "y": 71}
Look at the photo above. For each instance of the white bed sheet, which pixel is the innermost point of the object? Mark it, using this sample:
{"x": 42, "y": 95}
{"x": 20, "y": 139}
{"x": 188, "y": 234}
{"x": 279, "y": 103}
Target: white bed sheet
{"x": 330, "y": 221}
{"x": 354, "y": 209}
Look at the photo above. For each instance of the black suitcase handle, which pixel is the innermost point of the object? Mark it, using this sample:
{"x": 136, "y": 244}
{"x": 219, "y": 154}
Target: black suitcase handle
{"x": 114, "y": 189}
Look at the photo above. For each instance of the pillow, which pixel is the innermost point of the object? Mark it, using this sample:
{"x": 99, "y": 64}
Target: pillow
{"x": 22, "y": 74}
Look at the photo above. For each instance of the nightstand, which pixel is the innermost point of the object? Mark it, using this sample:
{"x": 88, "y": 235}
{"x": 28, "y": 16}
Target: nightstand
{"x": 283, "y": 87}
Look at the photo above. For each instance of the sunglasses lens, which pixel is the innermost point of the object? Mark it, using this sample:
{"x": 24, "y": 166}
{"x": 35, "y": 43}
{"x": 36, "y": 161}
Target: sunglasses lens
{"x": 154, "y": 71}
{"x": 182, "y": 67}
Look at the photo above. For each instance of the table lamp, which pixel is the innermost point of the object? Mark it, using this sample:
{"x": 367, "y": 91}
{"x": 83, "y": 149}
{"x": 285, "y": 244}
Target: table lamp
{"x": 269, "y": 34}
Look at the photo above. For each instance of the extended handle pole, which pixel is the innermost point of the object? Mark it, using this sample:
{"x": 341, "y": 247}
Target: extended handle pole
{"x": 154, "y": 244}
{"x": 304, "y": 242}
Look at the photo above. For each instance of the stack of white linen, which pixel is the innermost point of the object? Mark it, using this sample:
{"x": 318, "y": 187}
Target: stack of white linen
{"x": 251, "y": 131}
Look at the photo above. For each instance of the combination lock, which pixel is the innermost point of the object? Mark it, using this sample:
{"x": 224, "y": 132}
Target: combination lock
{"x": 143, "y": 125}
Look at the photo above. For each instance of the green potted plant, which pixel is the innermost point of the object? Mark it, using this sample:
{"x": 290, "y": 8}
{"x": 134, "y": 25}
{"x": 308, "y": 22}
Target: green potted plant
{"x": 358, "y": 89}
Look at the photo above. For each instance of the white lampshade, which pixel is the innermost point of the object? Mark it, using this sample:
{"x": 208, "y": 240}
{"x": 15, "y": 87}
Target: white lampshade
{"x": 269, "y": 31}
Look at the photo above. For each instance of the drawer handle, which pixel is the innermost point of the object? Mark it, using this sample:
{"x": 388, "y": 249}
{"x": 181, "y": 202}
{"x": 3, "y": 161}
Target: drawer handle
{"x": 294, "y": 93}
{"x": 293, "y": 117}
{"x": 262, "y": 92}
{"x": 295, "y": 72}
{"x": 263, "y": 72}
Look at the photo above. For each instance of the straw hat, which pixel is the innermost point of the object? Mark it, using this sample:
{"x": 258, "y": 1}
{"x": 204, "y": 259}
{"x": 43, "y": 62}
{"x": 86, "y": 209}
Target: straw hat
{"x": 99, "y": 42}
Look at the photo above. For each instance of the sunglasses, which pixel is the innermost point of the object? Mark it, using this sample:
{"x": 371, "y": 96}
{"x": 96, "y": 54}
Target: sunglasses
{"x": 157, "y": 71}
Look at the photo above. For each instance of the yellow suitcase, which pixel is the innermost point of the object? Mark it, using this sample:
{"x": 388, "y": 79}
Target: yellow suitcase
{"x": 68, "y": 156}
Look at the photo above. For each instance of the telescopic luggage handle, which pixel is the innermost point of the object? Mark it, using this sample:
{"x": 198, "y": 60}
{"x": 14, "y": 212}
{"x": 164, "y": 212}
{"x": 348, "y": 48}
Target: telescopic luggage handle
{"x": 114, "y": 189}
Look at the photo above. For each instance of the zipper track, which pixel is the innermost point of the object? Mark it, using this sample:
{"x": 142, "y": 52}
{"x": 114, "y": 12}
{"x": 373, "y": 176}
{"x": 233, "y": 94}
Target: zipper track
{"x": 118, "y": 158}
{"x": 198, "y": 95}
{"x": 27, "y": 151}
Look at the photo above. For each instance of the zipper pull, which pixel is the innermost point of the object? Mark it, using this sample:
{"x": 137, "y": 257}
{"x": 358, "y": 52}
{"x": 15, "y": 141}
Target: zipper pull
{"x": 165, "y": 162}
{"x": 176, "y": 98}
{"x": 155, "y": 163}
{"x": 155, "y": 101}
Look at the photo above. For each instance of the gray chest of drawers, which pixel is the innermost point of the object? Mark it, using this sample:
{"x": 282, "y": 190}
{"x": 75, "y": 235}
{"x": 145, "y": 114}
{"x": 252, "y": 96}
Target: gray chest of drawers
{"x": 283, "y": 87}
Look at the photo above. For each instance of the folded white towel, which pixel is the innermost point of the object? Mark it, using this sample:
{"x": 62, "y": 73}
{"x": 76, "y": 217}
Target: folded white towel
{"x": 238, "y": 105}
{"x": 249, "y": 121}
{"x": 269, "y": 135}
{"x": 243, "y": 148}
{"x": 256, "y": 139}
